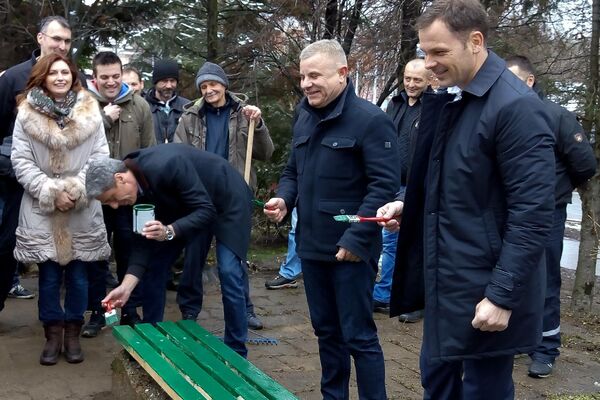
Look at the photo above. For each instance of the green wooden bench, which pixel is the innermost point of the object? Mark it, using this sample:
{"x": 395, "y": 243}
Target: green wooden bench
{"x": 188, "y": 362}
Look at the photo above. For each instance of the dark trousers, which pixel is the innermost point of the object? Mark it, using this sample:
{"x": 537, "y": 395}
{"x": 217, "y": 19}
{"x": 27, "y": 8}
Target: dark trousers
{"x": 340, "y": 302}
{"x": 190, "y": 291}
{"x": 485, "y": 379}
{"x": 11, "y": 193}
{"x": 547, "y": 351}
{"x": 118, "y": 227}
{"x": 232, "y": 275}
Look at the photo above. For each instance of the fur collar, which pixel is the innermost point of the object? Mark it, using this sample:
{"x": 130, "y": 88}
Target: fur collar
{"x": 85, "y": 119}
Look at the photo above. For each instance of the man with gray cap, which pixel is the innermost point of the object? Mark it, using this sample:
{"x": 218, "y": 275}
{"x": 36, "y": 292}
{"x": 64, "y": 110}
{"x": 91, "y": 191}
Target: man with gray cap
{"x": 218, "y": 123}
{"x": 166, "y": 105}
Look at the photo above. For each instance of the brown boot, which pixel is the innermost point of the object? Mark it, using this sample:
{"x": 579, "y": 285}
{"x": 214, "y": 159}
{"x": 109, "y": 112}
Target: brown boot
{"x": 73, "y": 352}
{"x": 54, "y": 341}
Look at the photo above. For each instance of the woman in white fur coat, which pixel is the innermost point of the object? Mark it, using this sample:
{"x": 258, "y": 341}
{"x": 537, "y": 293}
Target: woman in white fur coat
{"x": 58, "y": 130}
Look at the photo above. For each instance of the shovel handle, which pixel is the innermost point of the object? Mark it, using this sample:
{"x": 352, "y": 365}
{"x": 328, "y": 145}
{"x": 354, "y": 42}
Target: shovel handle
{"x": 249, "y": 151}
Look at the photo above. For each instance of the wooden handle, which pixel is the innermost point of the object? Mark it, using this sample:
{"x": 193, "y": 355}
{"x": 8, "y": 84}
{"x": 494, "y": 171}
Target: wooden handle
{"x": 249, "y": 151}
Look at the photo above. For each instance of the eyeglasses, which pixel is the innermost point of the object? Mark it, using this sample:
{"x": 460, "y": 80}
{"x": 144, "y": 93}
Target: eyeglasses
{"x": 58, "y": 39}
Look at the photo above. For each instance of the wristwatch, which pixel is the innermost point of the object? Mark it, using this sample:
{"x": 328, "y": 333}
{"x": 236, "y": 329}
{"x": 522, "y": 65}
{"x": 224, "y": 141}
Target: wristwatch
{"x": 169, "y": 234}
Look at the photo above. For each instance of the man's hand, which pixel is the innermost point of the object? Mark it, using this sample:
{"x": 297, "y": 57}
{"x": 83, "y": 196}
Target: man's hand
{"x": 275, "y": 209}
{"x": 346, "y": 255}
{"x": 154, "y": 230}
{"x": 489, "y": 317}
{"x": 391, "y": 210}
{"x": 64, "y": 202}
{"x": 252, "y": 113}
{"x": 112, "y": 111}
{"x": 119, "y": 295}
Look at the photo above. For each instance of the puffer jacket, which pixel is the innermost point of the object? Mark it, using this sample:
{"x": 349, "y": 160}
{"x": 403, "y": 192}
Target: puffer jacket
{"x": 134, "y": 129}
{"x": 192, "y": 130}
{"x": 48, "y": 160}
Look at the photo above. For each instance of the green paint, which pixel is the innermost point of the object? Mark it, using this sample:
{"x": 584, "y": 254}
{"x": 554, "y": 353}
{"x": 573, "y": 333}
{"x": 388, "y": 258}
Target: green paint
{"x": 185, "y": 355}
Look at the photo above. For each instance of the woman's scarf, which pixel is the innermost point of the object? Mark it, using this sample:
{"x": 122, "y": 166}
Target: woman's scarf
{"x": 47, "y": 106}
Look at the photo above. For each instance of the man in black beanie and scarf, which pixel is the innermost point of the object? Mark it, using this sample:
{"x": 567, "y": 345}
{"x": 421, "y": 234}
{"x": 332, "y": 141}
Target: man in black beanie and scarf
{"x": 166, "y": 105}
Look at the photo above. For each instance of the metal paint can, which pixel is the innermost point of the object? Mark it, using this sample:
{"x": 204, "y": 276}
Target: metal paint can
{"x": 142, "y": 213}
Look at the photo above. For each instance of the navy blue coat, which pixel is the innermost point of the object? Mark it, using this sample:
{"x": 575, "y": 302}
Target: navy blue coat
{"x": 340, "y": 164}
{"x": 575, "y": 159}
{"x": 478, "y": 210}
{"x": 193, "y": 190}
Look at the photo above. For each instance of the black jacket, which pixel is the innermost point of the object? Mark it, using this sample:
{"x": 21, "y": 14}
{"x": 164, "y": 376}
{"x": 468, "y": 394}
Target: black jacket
{"x": 575, "y": 159}
{"x": 406, "y": 142}
{"x": 477, "y": 213}
{"x": 165, "y": 124}
{"x": 193, "y": 190}
{"x": 340, "y": 164}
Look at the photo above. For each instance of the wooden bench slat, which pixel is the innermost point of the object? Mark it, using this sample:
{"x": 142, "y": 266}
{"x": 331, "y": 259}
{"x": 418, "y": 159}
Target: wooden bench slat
{"x": 212, "y": 364}
{"x": 171, "y": 381}
{"x": 203, "y": 381}
{"x": 263, "y": 382}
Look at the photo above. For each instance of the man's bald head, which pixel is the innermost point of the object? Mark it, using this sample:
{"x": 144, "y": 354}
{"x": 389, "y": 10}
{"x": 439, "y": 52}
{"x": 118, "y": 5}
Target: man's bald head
{"x": 416, "y": 79}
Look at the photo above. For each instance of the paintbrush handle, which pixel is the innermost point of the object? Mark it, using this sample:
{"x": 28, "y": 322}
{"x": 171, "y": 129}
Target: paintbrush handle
{"x": 373, "y": 219}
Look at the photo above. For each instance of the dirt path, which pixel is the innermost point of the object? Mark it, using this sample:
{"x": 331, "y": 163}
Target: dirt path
{"x": 294, "y": 361}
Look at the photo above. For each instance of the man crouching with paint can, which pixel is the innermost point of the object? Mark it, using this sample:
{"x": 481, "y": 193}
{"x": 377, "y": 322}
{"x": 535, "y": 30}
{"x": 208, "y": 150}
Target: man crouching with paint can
{"x": 195, "y": 193}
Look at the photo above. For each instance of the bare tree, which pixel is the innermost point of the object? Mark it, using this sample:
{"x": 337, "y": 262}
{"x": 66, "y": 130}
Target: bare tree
{"x": 585, "y": 277}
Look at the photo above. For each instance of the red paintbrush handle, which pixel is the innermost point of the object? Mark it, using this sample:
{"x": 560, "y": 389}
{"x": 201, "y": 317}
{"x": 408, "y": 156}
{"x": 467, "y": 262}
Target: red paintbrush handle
{"x": 373, "y": 219}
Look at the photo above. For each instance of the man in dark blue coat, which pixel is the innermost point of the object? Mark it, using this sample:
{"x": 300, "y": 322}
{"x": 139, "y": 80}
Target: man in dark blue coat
{"x": 343, "y": 148}
{"x": 575, "y": 164}
{"x": 477, "y": 212}
{"x": 194, "y": 192}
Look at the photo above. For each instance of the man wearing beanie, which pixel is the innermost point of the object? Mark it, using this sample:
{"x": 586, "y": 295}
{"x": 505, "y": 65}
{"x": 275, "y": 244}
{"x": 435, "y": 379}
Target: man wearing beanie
{"x": 218, "y": 123}
{"x": 166, "y": 105}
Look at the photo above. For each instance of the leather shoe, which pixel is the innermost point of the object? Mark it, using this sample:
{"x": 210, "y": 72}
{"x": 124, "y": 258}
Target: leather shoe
{"x": 381, "y": 307}
{"x": 130, "y": 319}
{"x": 254, "y": 322}
{"x": 411, "y": 317}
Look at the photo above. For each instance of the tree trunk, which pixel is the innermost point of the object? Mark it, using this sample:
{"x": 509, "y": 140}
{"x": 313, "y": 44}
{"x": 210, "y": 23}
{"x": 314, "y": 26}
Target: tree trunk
{"x": 212, "y": 11}
{"x": 352, "y": 25}
{"x": 585, "y": 276}
{"x": 331, "y": 17}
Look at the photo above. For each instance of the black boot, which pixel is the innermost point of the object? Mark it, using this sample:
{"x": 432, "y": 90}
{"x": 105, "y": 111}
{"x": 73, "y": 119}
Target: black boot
{"x": 54, "y": 341}
{"x": 73, "y": 352}
{"x": 94, "y": 326}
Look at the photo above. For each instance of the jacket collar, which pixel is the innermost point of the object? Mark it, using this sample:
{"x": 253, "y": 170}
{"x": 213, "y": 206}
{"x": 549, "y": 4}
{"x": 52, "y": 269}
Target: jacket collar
{"x": 487, "y": 75}
{"x": 348, "y": 93}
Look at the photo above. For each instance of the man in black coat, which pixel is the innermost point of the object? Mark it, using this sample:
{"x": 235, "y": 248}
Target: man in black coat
{"x": 575, "y": 164}
{"x": 477, "y": 212}
{"x": 343, "y": 152}
{"x": 194, "y": 192}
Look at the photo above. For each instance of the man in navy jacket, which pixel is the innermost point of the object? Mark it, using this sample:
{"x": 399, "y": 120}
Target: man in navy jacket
{"x": 194, "y": 193}
{"x": 477, "y": 212}
{"x": 343, "y": 149}
{"x": 575, "y": 164}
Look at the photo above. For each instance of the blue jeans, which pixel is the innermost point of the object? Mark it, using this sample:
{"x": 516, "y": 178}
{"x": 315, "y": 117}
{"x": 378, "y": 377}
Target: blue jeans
{"x": 233, "y": 277}
{"x": 291, "y": 267}
{"x": 340, "y": 302}
{"x": 76, "y": 286}
{"x": 484, "y": 379}
{"x": 383, "y": 288}
{"x": 547, "y": 350}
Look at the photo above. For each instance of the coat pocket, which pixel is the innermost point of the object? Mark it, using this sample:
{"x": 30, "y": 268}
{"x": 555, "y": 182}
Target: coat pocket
{"x": 300, "y": 144}
{"x": 491, "y": 229}
{"x": 338, "y": 158}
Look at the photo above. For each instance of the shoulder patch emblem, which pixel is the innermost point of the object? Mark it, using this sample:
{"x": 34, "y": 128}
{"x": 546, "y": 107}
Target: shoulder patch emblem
{"x": 578, "y": 137}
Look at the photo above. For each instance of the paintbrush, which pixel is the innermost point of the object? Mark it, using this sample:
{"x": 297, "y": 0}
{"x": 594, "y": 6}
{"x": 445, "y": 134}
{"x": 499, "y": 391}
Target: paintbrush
{"x": 358, "y": 218}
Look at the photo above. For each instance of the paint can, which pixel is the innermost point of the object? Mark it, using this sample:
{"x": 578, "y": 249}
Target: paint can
{"x": 142, "y": 213}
